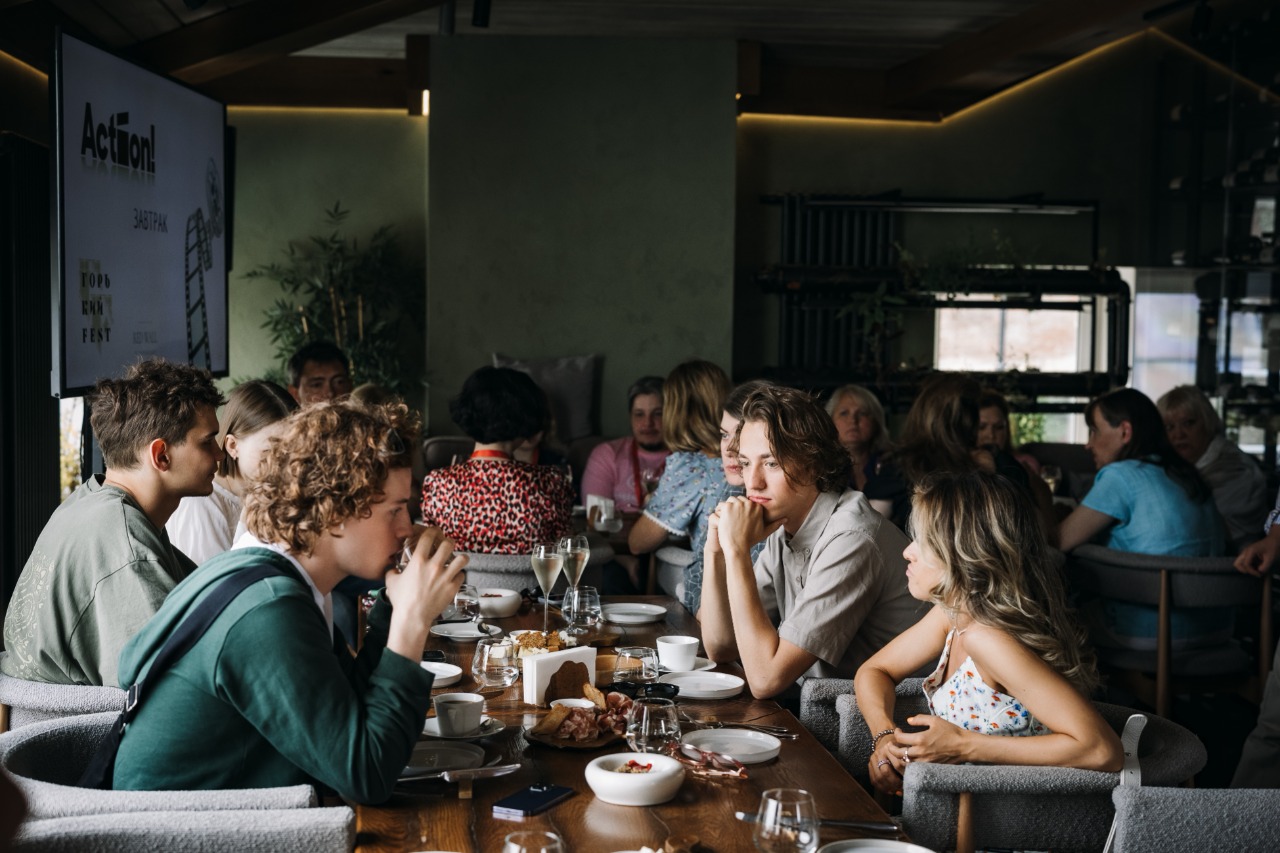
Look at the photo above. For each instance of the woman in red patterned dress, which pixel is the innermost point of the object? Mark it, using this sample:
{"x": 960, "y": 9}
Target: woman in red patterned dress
{"x": 492, "y": 503}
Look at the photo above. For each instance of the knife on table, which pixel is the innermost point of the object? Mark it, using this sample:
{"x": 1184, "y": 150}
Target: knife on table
{"x": 864, "y": 825}
{"x": 460, "y": 774}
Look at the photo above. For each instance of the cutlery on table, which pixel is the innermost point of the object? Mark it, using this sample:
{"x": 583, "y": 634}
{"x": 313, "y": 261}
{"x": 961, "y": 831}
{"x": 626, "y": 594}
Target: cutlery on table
{"x": 459, "y": 774}
{"x": 864, "y": 825}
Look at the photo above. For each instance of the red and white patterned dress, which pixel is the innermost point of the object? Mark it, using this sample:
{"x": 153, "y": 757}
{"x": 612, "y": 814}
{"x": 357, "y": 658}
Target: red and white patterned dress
{"x": 492, "y": 507}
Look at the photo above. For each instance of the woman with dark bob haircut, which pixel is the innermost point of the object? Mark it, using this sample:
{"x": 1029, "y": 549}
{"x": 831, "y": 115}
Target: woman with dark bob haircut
{"x": 493, "y": 503}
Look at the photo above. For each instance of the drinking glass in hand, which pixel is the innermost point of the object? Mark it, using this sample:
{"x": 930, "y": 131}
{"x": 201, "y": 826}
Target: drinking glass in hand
{"x": 1052, "y": 475}
{"x": 636, "y": 663}
{"x": 787, "y": 822}
{"x": 547, "y": 562}
{"x": 532, "y": 841}
{"x": 495, "y": 663}
{"x": 652, "y": 725}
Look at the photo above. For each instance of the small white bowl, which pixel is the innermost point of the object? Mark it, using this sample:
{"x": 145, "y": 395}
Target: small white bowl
{"x": 497, "y": 603}
{"x": 574, "y": 703}
{"x": 635, "y": 789}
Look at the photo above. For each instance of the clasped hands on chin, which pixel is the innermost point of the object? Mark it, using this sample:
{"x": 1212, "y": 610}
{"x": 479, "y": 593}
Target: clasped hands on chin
{"x": 739, "y": 521}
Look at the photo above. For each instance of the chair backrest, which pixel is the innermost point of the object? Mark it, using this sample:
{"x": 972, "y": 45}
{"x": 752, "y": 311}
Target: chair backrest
{"x": 33, "y": 701}
{"x": 46, "y": 759}
{"x": 330, "y": 830}
{"x": 853, "y": 742}
{"x": 1194, "y": 581}
{"x": 504, "y": 571}
{"x": 1157, "y": 820}
{"x": 438, "y": 451}
{"x": 669, "y": 563}
{"x": 1041, "y": 808}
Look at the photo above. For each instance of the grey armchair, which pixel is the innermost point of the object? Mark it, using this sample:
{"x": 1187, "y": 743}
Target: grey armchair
{"x": 25, "y": 702}
{"x": 1018, "y": 807}
{"x": 669, "y": 563}
{"x": 330, "y": 830}
{"x": 1178, "y": 582}
{"x": 46, "y": 759}
{"x": 1172, "y": 820}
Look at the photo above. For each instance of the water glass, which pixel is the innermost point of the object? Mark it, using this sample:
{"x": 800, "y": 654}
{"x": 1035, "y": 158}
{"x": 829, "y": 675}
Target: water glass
{"x": 787, "y": 822}
{"x": 495, "y": 663}
{"x": 653, "y": 725}
{"x": 636, "y": 663}
{"x": 582, "y": 606}
{"x": 532, "y": 841}
{"x": 466, "y": 603}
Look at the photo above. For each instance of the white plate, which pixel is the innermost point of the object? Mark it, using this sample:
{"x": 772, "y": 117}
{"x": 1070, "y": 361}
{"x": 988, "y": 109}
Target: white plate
{"x": 633, "y": 614}
{"x": 488, "y": 726}
{"x": 872, "y": 845}
{"x": 463, "y": 632}
{"x": 432, "y": 756}
{"x": 704, "y": 685}
{"x": 445, "y": 673}
{"x": 743, "y": 744}
{"x": 699, "y": 665}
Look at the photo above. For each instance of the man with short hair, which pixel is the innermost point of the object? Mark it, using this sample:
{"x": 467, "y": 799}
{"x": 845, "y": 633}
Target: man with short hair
{"x": 103, "y": 563}
{"x": 319, "y": 372}
{"x": 830, "y": 588}
{"x": 617, "y": 469}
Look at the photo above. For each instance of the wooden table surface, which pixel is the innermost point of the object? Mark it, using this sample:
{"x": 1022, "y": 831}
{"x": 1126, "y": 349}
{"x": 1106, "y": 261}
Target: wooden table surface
{"x": 428, "y": 815}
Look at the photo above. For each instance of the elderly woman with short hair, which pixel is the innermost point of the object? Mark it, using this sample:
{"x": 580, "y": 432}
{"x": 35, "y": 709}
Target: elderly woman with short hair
{"x": 859, "y": 418}
{"x": 1238, "y": 484}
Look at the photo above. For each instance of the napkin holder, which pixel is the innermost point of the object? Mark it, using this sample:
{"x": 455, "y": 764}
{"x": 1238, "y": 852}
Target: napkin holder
{"x": 538, "y": 670}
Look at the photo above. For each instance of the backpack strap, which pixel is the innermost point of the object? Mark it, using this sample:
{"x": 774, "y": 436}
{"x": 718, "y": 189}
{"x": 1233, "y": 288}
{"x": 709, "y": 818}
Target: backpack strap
{"x": 101, "y": 769}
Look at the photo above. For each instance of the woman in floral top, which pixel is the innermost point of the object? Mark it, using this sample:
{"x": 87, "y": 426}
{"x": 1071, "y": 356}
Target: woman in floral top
{"x": 693, "y": 483}
{"x": 493, "y": 504}
{"x": 1014, "y": 660}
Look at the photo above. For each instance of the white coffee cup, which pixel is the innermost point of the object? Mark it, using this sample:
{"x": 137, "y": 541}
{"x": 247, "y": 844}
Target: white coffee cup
{"x": 458, "y": 714}
{"x": 677, "y": 653}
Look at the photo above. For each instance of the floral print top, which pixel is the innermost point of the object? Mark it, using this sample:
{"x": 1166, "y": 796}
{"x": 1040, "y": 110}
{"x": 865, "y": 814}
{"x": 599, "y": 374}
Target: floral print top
{"x": 965, "y": 700}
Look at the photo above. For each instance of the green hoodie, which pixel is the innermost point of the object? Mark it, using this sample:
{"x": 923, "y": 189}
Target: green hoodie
{"x": 266, "y": 698}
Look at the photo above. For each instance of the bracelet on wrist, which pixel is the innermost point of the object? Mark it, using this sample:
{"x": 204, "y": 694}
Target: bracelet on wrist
{"x": 875, "y": 741}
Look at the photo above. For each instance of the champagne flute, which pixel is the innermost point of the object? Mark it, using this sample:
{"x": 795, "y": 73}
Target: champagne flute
{"x": 547, "y": 562}
{"x": 532, "y": 841}
{"x": 576, "y": 551}
{"x": 787, "y": 822}
{"x": 1052, "y": 475}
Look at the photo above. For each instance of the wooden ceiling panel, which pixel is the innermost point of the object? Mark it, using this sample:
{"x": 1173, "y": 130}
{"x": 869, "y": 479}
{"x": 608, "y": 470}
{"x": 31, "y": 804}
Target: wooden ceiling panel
{"x": 144, "y": 19}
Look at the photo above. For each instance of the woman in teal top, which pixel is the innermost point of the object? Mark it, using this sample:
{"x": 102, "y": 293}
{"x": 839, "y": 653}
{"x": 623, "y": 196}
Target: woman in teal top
{"x": 1148, "y": 500}
{"x": 269, "y": 695}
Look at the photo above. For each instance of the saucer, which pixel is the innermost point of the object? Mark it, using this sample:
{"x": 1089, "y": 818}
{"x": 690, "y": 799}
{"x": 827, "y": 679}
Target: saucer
{"x": 463, "y": 632}
{"x": 488, "y": 727}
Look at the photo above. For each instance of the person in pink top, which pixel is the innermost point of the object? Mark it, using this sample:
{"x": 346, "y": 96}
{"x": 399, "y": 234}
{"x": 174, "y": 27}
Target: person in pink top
{"x": 626, "y": 470}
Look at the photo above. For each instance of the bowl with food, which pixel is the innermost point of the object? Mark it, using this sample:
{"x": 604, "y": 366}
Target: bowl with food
{"x": 498, "y": 603}
{"x": 635, "y": 778}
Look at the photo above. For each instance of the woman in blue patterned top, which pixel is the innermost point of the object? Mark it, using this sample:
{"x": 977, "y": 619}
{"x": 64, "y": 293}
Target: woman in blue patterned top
{"x": 1013, "y": 660}
{"x": 693, "y": 484}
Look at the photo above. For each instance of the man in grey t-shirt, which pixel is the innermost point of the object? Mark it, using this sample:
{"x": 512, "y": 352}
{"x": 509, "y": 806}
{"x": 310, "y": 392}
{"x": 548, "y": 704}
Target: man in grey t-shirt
{"x": 103, "y": 563}
{"x": 829, "y": 589}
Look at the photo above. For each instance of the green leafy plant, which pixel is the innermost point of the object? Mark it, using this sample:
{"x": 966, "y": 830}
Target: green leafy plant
{"x": 362, "y": 298}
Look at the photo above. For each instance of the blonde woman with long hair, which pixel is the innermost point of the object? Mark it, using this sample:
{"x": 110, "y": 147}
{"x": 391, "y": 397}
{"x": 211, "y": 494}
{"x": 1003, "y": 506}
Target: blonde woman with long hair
{"x": 1015, "y": 673}
{"x": 693, "y": 483}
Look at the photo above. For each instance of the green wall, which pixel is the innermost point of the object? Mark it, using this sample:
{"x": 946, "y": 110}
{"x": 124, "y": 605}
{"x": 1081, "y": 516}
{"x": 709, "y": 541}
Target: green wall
{"x": 292, "y": 165}
{"x": 1082, "y": 132}
{"x": 582, "y": 201}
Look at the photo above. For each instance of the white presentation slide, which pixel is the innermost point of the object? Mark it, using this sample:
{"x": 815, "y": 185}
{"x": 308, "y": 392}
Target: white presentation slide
{"x": 141, "y": 179}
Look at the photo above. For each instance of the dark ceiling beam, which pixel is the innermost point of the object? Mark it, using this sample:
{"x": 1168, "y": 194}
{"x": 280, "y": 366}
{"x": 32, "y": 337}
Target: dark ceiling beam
{"x": 262, "y": 31}
{"x": 786, "y": 89}
{"x": 308, "y": 81}
{"x": 1041, "y": 26}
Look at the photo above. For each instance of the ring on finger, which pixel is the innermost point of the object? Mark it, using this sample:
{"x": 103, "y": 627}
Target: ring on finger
{"x": 906, "y": 755}
{"x": 881, "y": 763}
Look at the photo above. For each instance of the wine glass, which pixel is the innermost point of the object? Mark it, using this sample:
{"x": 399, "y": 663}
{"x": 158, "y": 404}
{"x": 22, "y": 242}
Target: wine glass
{"x": 652, "y": 725}
{"x": 495, "y": 663}
{"x": 649, "y": 478}
{"x": 547, "y": 562}
{"x": 532, "y": 841}
{"x": 787, "y": 822}
{"x": 576, "y": 551}
{"x": 1052, "y": 475}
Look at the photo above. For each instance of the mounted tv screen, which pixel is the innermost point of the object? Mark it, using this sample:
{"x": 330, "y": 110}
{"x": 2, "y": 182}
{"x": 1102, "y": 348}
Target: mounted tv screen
{"x": 140, "y": 259}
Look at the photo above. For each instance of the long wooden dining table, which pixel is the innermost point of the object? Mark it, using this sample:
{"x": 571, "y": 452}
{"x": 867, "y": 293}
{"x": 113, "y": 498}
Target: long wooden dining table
{"x": 430, "y": 815}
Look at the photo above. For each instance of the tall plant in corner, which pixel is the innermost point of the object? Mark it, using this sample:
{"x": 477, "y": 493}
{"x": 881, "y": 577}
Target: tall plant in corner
{"x": 362, "y": 298}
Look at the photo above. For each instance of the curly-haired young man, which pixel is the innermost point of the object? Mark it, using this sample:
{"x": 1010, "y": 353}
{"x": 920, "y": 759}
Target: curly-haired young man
{"x": 829, "y": 589}
{"x": 103, "y": 563}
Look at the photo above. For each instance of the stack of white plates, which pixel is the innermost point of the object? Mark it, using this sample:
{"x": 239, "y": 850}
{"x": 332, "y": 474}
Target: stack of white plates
{"x": 705, "y": 685}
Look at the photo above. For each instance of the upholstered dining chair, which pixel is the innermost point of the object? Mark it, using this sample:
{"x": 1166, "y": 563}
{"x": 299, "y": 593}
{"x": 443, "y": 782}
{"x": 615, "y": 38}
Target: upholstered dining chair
{"x": 25, "y": 702}
{"x": 669, "y": 564}
{"x": 960, "y": 806}
{"x": 46, "y": 760}
{"x": 1167, "y": 583}
{"x": 1167, "y": 820}
{"x": 328, "y": 830}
